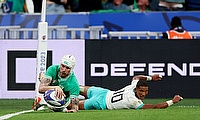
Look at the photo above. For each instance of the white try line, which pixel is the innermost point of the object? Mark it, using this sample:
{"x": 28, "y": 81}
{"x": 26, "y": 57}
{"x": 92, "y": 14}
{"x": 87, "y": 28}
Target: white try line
{"x": 14, "y": 114}
{"x": 192, "y": 106}
{"x": 4, "y": 117}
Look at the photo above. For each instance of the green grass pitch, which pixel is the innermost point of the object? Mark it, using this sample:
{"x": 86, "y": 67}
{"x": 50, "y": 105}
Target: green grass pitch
{"x": 187, "y": 109}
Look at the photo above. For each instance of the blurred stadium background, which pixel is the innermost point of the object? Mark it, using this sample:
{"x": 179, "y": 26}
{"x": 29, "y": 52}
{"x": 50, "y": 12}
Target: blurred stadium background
{"x": 127, "y": 43}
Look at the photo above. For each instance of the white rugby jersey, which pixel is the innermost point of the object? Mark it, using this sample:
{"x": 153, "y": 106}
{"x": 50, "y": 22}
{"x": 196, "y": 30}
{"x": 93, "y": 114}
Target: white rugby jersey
{"x": 124, "y": 98}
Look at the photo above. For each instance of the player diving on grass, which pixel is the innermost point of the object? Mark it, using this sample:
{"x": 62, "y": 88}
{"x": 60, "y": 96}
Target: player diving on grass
{"x": 62, "y": 79}
{"x": 129, "y": 97}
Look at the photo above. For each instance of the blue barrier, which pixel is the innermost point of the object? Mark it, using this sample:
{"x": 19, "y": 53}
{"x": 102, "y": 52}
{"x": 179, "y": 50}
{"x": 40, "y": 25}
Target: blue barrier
{"x": 31, "y": 20}
{"x": 150, "y": 21}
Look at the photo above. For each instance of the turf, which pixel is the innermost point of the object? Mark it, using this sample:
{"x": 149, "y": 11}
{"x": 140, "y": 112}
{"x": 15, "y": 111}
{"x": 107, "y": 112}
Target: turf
{"x": 184, "y": 110}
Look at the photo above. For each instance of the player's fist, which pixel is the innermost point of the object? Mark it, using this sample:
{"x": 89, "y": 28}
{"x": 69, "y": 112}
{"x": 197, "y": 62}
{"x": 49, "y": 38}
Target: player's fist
{"x": 177, "y": 98}
{"x": 156, "y": 77}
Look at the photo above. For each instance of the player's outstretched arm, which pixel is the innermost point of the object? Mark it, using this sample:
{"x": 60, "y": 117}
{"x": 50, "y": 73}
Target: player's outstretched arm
{"x": 166, "y": 104}
{"x": 154, "y": 77}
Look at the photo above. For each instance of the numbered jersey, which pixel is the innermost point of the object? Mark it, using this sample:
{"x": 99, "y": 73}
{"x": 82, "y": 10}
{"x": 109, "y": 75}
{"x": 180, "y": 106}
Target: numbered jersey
{"x": 124, "y": 98}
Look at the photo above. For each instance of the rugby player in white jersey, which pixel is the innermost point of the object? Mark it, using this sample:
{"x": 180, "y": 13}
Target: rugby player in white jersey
{"x": 129, "y": 97}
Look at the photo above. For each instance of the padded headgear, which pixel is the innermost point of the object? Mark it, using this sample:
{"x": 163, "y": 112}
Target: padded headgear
{"x": 69, "y": 61}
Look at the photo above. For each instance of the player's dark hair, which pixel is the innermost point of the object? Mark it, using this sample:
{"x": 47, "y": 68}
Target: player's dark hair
{"x": 142, "y": 83}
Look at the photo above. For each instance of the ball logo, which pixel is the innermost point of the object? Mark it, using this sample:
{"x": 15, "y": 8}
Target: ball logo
{"x": 43, "y": 37}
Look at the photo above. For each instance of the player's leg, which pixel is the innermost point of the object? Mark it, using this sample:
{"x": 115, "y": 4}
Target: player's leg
{"x": 81, "y": 105}
{"x": 96, "y": 98}
{"x": 83, "y": 91}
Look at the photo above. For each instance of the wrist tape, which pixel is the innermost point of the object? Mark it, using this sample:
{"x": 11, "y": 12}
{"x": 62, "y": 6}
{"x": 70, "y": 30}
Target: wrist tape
{"x": 169, "y": 102}
{"x": 149, "y": 78}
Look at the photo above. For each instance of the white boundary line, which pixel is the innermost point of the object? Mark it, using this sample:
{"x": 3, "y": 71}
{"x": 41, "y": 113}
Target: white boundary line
{"x": 18, "y": 113}
{"x": 189, "y": 106}
{"x": 14, "y": 114}
{"x": 27, "y": 111}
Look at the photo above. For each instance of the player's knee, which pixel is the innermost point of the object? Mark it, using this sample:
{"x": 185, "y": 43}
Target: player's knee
{"x": 82, "y": 88}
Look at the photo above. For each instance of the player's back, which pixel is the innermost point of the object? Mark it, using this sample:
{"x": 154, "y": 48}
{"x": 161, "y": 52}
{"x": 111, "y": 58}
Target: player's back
{"x": 123, "y": 99}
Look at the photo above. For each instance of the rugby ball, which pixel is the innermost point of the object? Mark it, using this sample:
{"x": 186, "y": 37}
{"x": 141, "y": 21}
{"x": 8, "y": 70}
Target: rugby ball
{"x": 51, "y": 98}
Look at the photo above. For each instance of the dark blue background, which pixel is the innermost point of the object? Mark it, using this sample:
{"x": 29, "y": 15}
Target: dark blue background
{"x": 128, "y": 21}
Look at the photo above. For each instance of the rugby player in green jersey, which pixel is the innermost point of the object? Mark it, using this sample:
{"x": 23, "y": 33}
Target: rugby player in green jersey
{"x": 62, "y": 79}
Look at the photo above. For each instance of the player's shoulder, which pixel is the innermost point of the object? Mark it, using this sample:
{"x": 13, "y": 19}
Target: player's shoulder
{"x": 134, "y": 82}
{"x": 53, "y": 68}
{"x": 72, "y": 76}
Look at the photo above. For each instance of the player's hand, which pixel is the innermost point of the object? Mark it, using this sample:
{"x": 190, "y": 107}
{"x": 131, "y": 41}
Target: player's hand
{"x": 70, "y": 111}
{"x": 177, "y": 98}
{"x": 156, "y": 77}
{"x": 59, "y": 92}
{"x": 41, "y": 76}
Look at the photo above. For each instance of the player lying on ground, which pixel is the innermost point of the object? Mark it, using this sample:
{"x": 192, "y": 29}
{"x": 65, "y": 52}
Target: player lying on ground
{"x": 62, "y": 79}
{"x": 129, "y": 97}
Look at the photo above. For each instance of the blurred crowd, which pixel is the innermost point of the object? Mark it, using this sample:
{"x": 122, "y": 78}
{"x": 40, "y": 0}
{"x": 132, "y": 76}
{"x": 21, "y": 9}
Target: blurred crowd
{"x": 64, "y": 6}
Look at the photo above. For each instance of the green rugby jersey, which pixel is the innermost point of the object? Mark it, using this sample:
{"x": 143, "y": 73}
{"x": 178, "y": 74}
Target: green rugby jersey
{"x": 69, "y": 85}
